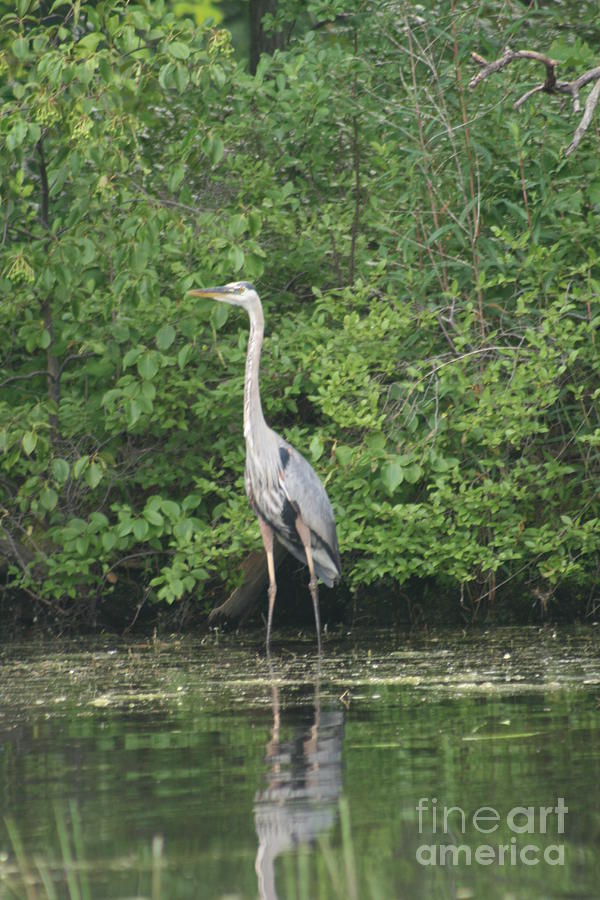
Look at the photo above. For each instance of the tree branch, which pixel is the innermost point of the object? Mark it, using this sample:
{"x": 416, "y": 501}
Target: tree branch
{"x": 240, "y": 604}
{"x": 550, "y": 86}
{"x": 590, "y": 105}
{"x": 507, "y": 57}
{"x": 27, "y": 375}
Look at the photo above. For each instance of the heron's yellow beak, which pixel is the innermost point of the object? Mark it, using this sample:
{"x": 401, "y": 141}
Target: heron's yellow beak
{"x": 222, "y": 292}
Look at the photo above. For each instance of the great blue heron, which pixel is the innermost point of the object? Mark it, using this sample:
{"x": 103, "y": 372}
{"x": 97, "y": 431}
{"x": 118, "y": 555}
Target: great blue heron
{"x": 283, "y": 488}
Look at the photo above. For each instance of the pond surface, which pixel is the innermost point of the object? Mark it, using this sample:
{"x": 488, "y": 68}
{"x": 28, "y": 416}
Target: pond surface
{"x": 188, "y": 768}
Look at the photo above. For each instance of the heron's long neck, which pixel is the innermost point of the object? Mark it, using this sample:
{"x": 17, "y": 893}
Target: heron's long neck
{"x": 253, "y": 414}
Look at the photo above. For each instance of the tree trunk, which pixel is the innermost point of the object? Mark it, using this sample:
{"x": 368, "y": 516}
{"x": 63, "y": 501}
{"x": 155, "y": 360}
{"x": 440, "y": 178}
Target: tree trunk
{"x": 260, "y": 42}
{"x": 241, "y": 602}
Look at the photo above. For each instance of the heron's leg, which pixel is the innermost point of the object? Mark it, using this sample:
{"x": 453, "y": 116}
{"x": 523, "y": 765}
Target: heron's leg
{"x": 268, "y": 537}
{"x": 304, "y": 535}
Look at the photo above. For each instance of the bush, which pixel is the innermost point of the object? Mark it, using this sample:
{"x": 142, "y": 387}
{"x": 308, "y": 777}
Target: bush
{"x": 429, "y": 265}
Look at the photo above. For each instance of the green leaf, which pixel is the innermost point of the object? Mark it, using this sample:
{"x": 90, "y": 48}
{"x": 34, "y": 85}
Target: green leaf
{"x": 253, "y": 265}
{"x": 254, "y": 223}
{"x": 413, "y": 473}
{"x": 133, "y": 411}
{"x": 316, "y": 448}
{"x": 80, "y": 464}
{"x": 120, "y": 331}
{"x": 132, "y": 356}
{"x": 124, "y": 528}
{"x": 178, "y": 50}
{"x": 237, "y": 225}
{"x": 87, "y": 251}
{"x": 93, "y": 475}
{"x": 29, "y": 442}
{"x": 48, "y": 498}
{"x": 165, "y": 74}
{"x": 90, "y": 41}
{"x": 109, "y": 539}
{"x": 176, "y": 177}
{"x": 147, "y": 365}
{"x": 220, "y": 314}
{"x": 392, "y": 475}
{"x": 34, "y": 131}
{"x": 182, "y": 79}
{"x": 376, "y": 441}
{"x": 171, "y": 509}
{"x": 216, "y": 150}
{"x": 140, "y": 529}
{"x": 165, "y": 337}
{"x": 20, "y": 48}
{"x": 344, "y": 454}
{"x": 184, "y": 354}
{"x": 153, "y": 516}
{"x": 98, "y": 521}
{"x": 77, "y": 525}
{"x": 16, "y": 135}
{"x": 148, "y": 392}
{"x": 236, "y": 258}
{"x": 60, "y": 470}
{"x": 218, "y": 75}
{"x": 143, "y": 398}
{"x": 183, "y": 530}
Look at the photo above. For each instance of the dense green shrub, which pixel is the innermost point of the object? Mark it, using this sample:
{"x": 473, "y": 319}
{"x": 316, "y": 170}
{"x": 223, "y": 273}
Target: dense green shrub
{"x": 429, "y": 262}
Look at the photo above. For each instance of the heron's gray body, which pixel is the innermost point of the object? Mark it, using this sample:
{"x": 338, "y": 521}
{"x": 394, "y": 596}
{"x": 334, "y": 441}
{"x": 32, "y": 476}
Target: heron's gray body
{"x": 283, "y": 488}
{"x": 281, "y": 485}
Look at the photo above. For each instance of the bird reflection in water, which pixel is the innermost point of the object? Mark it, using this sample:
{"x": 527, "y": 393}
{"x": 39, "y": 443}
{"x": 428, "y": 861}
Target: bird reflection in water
{"x": 303, "y": 783}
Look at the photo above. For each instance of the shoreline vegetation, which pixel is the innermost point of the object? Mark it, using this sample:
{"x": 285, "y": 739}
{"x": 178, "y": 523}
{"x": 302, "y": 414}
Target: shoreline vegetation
{"x": 427, "y": 251}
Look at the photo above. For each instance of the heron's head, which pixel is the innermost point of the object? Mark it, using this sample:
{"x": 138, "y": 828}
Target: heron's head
{"x": 238, "y": 293}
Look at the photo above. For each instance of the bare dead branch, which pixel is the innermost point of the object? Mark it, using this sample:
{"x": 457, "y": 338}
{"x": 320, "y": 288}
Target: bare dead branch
{"x": 590, "y": 75}
{"x": 551, "y": 85}
{"x": 528, "y": 94}
{"x": 507, "y": 57}
{"x": 588, "y": 111}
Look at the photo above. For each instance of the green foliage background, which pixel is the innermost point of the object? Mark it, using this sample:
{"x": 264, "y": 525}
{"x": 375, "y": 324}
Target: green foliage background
{"x": 429, "y": 263}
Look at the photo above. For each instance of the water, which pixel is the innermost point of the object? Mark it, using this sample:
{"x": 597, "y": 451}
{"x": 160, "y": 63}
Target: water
{"x": 194, "y": 769}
